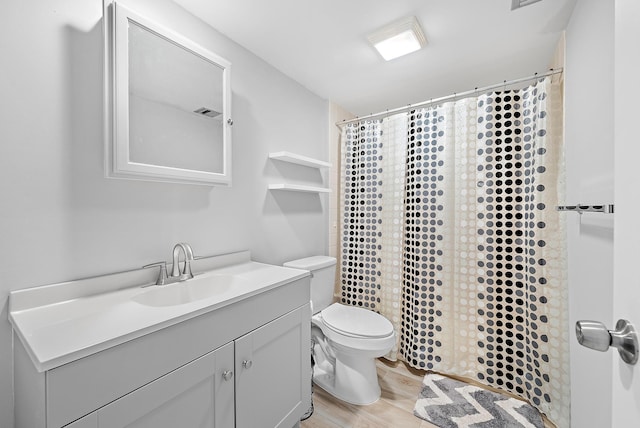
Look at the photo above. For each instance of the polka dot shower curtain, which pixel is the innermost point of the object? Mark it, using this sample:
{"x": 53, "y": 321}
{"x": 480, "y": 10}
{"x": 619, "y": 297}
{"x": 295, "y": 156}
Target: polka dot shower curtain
{"x": 449, "y": 229}
{"x": 372, "y": 210}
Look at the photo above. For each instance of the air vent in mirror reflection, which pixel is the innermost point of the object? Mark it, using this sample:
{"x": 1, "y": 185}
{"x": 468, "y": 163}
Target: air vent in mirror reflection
{"x": 207, "y": 112}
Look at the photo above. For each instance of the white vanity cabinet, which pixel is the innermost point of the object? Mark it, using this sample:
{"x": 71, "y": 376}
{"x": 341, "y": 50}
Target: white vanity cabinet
{"x": 243, "y": 365}
{"x": 195, "y": 395}
{"x": 273, "y": 373}
{"x": 267, "y": 376}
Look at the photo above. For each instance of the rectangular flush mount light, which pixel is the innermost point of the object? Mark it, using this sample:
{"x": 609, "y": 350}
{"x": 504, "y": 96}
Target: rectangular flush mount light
{"x": 398, "y": 38}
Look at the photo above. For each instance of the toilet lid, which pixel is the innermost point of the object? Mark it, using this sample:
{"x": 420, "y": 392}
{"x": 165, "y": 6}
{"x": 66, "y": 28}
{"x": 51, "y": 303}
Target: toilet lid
{"x": 353, "y": 321}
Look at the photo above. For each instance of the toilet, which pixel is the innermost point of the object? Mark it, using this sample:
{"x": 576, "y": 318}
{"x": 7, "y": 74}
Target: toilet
{"x": 346, "y": 339}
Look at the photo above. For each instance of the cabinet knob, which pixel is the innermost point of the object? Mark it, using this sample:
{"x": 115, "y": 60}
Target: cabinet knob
{"x": 247, "y": 364}
{"x": 227, "y": 375}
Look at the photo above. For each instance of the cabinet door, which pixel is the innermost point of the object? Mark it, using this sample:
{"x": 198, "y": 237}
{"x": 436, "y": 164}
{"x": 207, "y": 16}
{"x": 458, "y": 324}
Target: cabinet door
{"x": 195, "y": 395}
{"x": 273, "y": 368}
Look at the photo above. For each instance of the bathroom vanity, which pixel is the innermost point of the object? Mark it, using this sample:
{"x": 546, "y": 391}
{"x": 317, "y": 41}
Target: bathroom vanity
{"x": 229, "y": 348}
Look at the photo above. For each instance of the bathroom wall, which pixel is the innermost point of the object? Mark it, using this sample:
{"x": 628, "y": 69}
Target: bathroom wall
{"x": 589, "y": 75}
{"x": 62, "y": 220}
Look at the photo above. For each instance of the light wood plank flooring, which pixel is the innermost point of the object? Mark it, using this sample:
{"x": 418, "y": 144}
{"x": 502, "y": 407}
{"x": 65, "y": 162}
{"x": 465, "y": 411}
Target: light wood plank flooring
{"x": 400, "y": 388}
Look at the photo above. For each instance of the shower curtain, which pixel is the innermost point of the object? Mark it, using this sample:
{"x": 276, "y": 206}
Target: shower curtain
{"x": 449, "y": 230}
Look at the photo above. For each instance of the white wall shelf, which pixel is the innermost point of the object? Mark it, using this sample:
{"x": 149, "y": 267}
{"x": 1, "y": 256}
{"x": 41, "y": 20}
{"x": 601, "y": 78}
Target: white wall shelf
{"x": 299, "y": 188}
{"x": 299, "y": 159}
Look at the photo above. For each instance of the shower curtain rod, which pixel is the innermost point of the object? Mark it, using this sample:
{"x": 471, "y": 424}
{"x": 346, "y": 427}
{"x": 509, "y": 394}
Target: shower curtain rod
{"x": 452, "y": 97}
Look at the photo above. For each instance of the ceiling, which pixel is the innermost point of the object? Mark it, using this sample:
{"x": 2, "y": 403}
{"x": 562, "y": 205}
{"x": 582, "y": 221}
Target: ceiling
{"x": 322, "y": 44}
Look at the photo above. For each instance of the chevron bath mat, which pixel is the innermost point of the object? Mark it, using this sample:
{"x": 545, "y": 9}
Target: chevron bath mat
{"x": 449, "y": 403}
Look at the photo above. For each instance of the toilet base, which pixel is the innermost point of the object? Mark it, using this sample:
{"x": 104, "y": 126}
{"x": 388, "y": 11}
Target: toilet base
{"x": 353, "y": 380}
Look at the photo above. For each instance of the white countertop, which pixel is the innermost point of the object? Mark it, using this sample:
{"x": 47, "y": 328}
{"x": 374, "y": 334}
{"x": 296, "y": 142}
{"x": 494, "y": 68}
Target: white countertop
{"x": 60, "y": 331}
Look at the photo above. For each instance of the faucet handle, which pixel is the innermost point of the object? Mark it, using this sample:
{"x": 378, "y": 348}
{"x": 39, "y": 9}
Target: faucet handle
{"x": 162, "y": 277}
{"x": 186, "y": 271}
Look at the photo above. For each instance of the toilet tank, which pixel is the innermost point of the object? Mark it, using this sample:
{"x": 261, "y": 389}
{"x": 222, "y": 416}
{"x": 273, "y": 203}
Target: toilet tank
{"x": 323, "y": 273}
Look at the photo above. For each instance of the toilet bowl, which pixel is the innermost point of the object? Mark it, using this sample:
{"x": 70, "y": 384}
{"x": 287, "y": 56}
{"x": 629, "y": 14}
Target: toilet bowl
{"x": 345, "y": 349}
{"x": 346, "y": 339}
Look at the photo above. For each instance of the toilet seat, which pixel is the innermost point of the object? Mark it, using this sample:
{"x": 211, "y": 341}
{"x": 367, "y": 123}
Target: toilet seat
{"x": 356, "y": 322}
{"x": 346, "y": 341}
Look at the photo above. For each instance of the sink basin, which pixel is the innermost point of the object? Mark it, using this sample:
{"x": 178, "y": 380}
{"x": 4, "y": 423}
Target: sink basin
{"x": 181, "y": 293}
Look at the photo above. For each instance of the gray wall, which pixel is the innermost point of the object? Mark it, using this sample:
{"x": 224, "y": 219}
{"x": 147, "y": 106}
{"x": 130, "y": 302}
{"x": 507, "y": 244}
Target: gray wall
{"x": 60, "y": 218}
{"x": 589, "y": 76}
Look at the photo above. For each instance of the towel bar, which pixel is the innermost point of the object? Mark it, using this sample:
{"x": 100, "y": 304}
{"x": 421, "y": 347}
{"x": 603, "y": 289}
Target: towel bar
{"x": 607, "y": 209}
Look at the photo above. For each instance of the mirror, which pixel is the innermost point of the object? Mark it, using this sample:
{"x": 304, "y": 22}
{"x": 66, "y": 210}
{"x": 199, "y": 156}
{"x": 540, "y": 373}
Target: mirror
{"x": 171, "y": 102}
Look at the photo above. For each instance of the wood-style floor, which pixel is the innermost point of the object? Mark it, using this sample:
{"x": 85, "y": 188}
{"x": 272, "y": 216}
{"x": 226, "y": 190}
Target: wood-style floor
{"x": 400, "y": 388}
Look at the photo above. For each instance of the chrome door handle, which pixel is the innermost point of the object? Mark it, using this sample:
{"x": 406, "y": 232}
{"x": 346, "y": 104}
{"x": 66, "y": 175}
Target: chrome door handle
{"x": 227, "y": 375}
{"x": 247, "y": 364}
{"x": 594, "y": 335}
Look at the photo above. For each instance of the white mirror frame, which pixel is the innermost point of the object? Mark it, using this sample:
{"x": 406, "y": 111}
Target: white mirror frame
{"x": 117, "y": 154}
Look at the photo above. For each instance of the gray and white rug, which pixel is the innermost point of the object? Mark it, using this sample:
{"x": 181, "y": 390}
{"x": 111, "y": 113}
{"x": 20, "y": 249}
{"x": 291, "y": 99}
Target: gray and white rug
{"x": 449, "y": 403}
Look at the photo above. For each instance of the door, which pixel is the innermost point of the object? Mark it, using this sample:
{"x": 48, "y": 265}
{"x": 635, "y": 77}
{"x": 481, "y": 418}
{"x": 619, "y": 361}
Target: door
{"x": 626, "y": 290}
{"x": 273, "y": 372}
{"x": 197, "y": 394}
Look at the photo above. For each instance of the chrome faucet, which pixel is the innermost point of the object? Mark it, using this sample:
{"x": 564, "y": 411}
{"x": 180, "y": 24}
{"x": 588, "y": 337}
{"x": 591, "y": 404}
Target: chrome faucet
{"x": 188, "y": 258}
{"x": 176, "y": 273}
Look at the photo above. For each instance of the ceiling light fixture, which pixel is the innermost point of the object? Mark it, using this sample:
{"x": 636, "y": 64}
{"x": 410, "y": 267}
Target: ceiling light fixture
{"x": 398, "y": 38}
